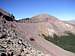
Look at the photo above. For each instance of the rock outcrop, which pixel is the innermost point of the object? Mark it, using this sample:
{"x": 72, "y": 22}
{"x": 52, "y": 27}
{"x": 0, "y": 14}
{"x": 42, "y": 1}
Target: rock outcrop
{"x": 12, "y": 42}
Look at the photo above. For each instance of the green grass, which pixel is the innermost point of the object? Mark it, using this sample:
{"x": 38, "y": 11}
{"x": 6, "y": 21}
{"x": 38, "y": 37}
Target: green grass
{"x": 65, "y": 42}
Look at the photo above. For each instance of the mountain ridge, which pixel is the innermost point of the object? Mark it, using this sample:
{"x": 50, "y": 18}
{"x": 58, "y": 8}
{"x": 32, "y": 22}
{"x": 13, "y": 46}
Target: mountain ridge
{"x": 27, "y": 39}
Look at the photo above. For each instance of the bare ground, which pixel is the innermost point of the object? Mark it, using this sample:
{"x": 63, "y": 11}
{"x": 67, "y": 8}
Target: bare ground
{"x": 30, "y": 31}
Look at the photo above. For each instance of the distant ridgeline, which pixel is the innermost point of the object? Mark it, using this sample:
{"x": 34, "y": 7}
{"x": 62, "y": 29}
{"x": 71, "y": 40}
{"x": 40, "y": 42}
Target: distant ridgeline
{"x": 25, "y": 20}
{"x": 5, "y": 15}
{"x": 65, "y": 42}
{"x": 10, "y": 17}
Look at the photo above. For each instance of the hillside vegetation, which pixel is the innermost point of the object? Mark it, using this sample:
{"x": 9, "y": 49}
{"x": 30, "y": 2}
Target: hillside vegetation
{"x": 65, "y": 42}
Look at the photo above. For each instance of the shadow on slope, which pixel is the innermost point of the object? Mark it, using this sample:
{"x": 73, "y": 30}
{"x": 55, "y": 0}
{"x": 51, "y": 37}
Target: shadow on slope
{"x": 65, "y": 42}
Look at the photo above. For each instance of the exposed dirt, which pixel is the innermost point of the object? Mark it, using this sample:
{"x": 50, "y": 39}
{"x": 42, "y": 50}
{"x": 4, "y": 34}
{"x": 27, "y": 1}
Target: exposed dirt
{"x": 40, "y": 43}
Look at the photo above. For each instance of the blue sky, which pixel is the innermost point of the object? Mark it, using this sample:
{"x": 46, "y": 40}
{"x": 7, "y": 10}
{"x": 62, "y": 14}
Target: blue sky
{"x": 62, "y": 9}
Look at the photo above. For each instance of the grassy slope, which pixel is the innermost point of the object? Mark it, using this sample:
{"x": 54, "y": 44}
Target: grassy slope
{"x": 65, "y": 42}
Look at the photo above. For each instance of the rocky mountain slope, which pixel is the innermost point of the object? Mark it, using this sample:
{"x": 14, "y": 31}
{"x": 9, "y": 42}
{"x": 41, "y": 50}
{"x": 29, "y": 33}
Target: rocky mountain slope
{"x": 12, "y": 42}
{"x": 54, "y": 25}
{"x": 71, "y": 21}
{"x": 24, "y": 37}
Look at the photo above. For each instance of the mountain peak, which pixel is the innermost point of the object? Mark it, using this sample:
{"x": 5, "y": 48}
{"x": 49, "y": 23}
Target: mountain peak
{"x": 43, "y": 14}
{"x": 43, "y": 17}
